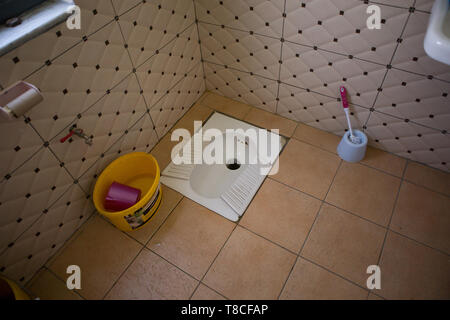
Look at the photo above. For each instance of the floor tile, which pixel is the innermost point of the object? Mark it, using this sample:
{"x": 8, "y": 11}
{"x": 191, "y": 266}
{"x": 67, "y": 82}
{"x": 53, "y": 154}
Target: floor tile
{"x": 428, "y": 177}
{"x": 225, "y": 105}
{"x": 385, "y": 161}
{"x": 307, "y": 168}
{"x": 46, "y": 286}
{"x": 344, "y": 244}
{"x": 375, "y": 158}
{"x": 410, "y": 270}
{"x": 191, "y": 237}
{"x": 102, "y": 252}
{"x": 170, "y": 199}
{"x": 152, "y": 278}
{"x": 281, "y": 214}
{"x": 203, "y": 97}
{"x": 316, "y": 137}
{"x": 269, "y": 121}
{"x": 423, "y": 215}
{"x": 162, "y": 151}
{"x": 311, "y": 282}
{"x": 374, "y": 297}
{"x": 197, "y": 112}
{"x": 364, "y": 191}
{"x": 249, "y": 267}
{"x": 205, "y": 293}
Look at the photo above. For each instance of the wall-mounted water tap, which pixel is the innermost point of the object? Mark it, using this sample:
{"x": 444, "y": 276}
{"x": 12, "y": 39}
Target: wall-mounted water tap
{"x": 78, "y": 132}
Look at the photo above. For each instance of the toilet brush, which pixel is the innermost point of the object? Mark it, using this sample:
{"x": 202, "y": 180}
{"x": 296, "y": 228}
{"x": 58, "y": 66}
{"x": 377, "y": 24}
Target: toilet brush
{"x": 354, "y": 139}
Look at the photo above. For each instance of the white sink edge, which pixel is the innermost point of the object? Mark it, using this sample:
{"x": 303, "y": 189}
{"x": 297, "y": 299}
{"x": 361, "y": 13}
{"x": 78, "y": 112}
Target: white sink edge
{"x": 437, "y": 43}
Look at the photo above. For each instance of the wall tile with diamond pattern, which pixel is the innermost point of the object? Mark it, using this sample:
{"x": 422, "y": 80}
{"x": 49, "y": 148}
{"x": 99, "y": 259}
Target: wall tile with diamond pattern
{"x": 91, "y": 78}
{"x": 169, "y": 65}
{"x": 242, "y": 86}
{"x": 38, "y": 243}
{"x": 340, "y": 26}
{"x": 151, "y": 25}
{"x": 241, "y": 50}
{"x": 259, "y": 16}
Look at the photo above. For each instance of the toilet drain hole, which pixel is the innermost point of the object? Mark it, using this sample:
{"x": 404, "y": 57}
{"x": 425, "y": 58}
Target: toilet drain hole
{"x": 233, "y": 164}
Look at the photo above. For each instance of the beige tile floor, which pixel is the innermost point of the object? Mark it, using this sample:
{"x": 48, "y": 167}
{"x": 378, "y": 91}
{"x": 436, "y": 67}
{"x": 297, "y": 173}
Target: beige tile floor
{"x": 309, "y": 233}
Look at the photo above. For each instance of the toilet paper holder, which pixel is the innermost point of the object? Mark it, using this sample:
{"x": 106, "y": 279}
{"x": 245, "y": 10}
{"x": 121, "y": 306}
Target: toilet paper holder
{"x": 17, "y": 99}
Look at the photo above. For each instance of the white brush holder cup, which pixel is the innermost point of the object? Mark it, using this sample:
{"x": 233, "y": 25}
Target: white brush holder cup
{"x": 350, "y": 151}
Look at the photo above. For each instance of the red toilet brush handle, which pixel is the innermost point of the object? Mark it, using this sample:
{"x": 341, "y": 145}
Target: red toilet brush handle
{"x": 344, "y": 97}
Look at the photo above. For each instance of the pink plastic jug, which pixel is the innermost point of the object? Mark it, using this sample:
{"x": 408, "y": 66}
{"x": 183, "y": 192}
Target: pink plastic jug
{"x": 121, "y": 197}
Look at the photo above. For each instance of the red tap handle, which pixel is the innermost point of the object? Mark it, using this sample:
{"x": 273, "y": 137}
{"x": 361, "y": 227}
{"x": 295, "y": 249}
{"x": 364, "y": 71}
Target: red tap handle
{"x": 67, "y": 137}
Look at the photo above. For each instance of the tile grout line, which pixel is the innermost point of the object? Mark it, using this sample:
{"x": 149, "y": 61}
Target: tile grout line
{"x": 22, "y": 164}
{"x": 390, "y": 220}
{"x": 388, "y": 69}
{"x": 386, "y": 5}
{"x": 325, "y": 202}
{"x": 407, "y": 161}
{"x": 120, "y": 81}
{"x": 134, "y": 70}
{"x": 123, "y": 135}
{"x": 214, "y": 260}
{"x": 323, "y": 95}
{"x": 376, "y": 111}
{"x": 310, "y": 229}
{"x": 280, "y": 60}
{"x": 144, "y": 246}
{"x": 335, "y": 273}
{"x": 59, "y": 251}
{"x": 41, "y": 214}
{"x": 322, "y": 49}
{"x": 170, "y": 131}
{"x": 420, "y": 243}
{"x": 358, "y": 216}
{"x": 52, "y": 59}
{"x": 123, "y": 272}
{"x": 58, "y": 56}
{"x": 267, "y": 239}
{"x": 274, "y": 80}
{"x": 212, "y": 289}
{"x": 105, "y": 152}
{"x": 360, "y": 163}
{"x": 60, "y": 279}
{"x": 164, "y": 96}
{"x": 176, "y": 267}
{"x": 318, "y": 48}
{"x": 242, "y": 71}
{"x": 164, "y": 221}
{"x": 238, "y": 30}
{"x": 199, "y": 42}
{"x": 298, "y": 255}
{"x": 165, "y": 45}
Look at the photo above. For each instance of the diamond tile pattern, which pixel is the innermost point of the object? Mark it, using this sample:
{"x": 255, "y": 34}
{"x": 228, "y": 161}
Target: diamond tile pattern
{"x": 290, "y": 57}
{"x": 125, "y": 78}
{"x": 136, "y": 67}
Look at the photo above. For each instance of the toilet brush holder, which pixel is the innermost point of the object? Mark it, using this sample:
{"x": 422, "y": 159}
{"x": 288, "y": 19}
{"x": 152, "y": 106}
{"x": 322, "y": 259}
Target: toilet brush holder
{"x": 350, "y": 151}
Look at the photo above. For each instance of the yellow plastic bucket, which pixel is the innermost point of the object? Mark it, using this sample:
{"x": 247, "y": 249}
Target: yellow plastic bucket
{"x": 11, "y": 291}
{"x": 139, "y": 170}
